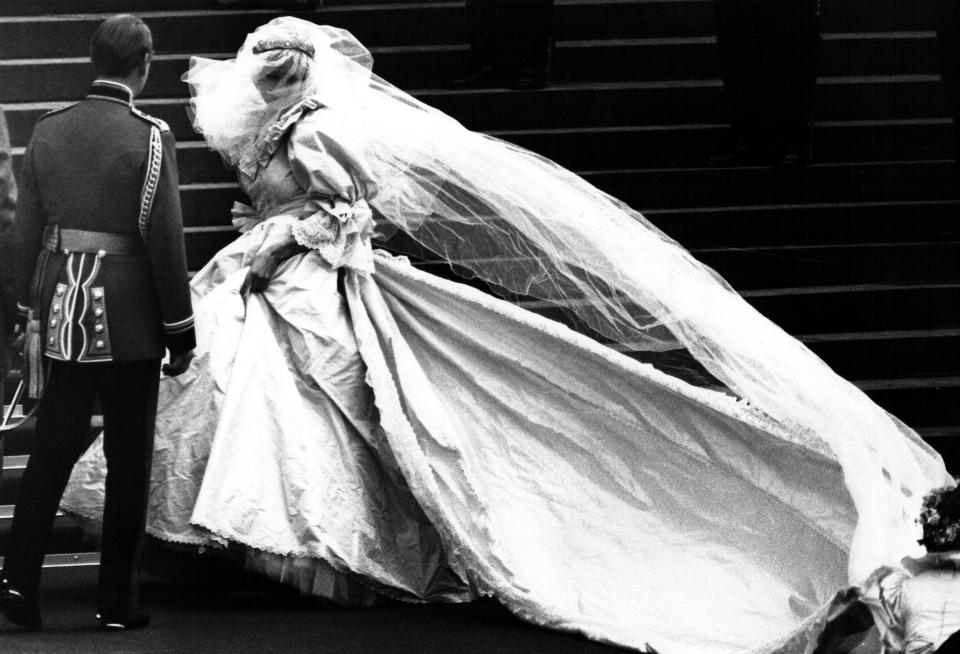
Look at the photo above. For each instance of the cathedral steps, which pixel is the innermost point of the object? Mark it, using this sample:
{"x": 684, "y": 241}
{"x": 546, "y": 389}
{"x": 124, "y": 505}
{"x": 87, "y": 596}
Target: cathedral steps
{"x": 575, "y": 62}
{"x": 628, "y": 147}
{"x": 855, "y": 254}
{"x": 414, "y": 22}
{"x": 596, "y": 104}
{"x": 840, "y": 205}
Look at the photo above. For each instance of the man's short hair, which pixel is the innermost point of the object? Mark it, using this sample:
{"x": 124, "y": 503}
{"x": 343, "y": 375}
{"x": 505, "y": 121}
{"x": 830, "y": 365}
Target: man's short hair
{"x": 119, "y": 44}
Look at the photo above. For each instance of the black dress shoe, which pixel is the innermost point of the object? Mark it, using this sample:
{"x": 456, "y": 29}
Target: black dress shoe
{"x": 139, "y": 621}
{"x": 21, "y": 610}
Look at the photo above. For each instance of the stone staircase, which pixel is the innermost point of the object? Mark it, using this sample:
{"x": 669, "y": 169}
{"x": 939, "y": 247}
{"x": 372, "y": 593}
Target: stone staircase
{"x": 856, "y": 254}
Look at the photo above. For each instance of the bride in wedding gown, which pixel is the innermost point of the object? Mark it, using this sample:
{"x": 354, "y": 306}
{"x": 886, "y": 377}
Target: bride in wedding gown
{"x": 360, "y": 427}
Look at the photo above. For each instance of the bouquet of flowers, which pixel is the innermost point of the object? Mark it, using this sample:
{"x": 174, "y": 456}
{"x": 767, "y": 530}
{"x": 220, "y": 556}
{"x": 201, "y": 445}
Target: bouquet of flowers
{"x": 940, "y": 519}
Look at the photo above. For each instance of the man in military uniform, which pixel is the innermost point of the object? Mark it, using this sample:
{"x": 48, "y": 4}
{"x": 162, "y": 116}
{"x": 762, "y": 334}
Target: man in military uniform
{"x": 98, "y": 224}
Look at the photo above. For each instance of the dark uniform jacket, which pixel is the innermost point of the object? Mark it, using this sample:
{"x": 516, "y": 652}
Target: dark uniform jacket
{"x": 101, "y": 251}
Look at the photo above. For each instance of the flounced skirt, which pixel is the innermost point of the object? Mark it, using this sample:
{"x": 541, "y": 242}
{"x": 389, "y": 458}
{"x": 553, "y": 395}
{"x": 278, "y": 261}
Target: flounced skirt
{"x": 412, "y": 436}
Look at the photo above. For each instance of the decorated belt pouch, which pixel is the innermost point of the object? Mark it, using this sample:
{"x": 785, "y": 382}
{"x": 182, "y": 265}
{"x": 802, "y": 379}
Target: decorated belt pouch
{"x": 58, "y": 330}
{"x": 77, "y": 320}
{"x": 93, "y": 323}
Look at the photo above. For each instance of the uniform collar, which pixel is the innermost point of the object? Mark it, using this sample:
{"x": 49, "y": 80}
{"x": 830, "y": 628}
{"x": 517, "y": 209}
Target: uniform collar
{"x": 103, "y": 89}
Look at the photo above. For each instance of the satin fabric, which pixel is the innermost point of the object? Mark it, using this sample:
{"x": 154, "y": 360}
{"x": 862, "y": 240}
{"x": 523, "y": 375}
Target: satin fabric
{"x": 415, "y": 437}
{"x": 422, "y": 438}
{"x": 916, "y": 607}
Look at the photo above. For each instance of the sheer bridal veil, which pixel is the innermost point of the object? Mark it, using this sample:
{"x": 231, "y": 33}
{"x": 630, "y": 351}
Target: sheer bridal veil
{"x": 530, "y": 227}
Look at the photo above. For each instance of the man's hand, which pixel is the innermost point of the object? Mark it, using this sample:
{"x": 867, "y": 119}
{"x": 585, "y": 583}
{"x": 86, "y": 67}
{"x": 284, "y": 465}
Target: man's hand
{"x": 179, "y": 362}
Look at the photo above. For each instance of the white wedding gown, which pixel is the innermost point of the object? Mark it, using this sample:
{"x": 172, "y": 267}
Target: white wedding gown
{"x": 419, "y": 437}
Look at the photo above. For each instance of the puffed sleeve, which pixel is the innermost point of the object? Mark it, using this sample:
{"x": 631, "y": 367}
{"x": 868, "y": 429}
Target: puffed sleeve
{"x": 326, "y": 158}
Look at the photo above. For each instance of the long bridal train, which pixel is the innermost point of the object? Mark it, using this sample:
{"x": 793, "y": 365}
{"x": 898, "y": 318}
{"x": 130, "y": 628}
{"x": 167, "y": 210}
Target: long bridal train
{"x": 436, "y": 443}
{"x": 363, "y": 427}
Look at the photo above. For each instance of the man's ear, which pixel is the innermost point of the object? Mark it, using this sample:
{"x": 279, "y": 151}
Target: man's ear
{"x": 145, "y": 62}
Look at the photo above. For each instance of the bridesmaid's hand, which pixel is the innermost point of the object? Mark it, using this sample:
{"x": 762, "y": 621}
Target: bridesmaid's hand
{"x": 261, "y": 271}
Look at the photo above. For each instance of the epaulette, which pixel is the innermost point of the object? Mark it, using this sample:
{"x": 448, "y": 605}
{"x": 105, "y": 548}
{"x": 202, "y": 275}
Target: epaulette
{"x": 161, "y": 124}
{"x": 57, "y": 111}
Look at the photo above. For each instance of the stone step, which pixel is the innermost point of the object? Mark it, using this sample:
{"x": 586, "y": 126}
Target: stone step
{"x": 67, "y": 535}
{"x": 681, "y": 153}
{"x": 18, "y": 442}
{"x": 868, "y": 307}
{"x": 859, "y": 308}
{"x": 692, "y": 145}
{"x": 617, "y": 18}
{"x": 809, "y": 223}
{"x": 755, "y": 267}
{"x": 946, "y": 441}
{"x": 699, "y": 227}
{"x": 572, "y": 106}
{"x": 55, "y": 563}
{"x": 835, "y": 265}
{"x": 687, "y": 188}
{"x": 82, "y": 553}
{"x": 697, "y": 57}
{"x": 921, "y": 402}
{"x": 889, "y": 355}
{"x": 224, "y": 31}
{"x": 444, "y": 23}
{"x": 700, "y": 208}
{"x": 13, "y": 467}
{"x": 641, "y": 183}
{"x": 620, "y": 149}
{"x": 746, "y": 207}
{"x": 683, "y": 189}
{"x": 678, "y": 102}
{"x": 417, "y": 67}
{"x": 926, "y": 403}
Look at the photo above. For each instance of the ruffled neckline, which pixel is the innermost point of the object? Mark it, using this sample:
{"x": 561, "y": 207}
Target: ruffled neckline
{"x": 266, "y": 143}
{"x": 269, "y": 139}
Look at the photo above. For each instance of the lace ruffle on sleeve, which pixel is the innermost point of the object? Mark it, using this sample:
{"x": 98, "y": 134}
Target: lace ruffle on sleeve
{"x": 327, "y": 160}
{"x": 340, "y": 232}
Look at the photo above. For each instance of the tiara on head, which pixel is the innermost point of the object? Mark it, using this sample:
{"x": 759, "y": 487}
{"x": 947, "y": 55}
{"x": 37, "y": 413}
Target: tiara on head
{"x": 284, "y": 44}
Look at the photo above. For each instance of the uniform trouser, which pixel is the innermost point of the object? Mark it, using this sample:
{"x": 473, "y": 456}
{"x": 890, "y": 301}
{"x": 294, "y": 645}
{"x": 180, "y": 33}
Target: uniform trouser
{"x": 510, "y": 35}
{"x": 768, "y": 61}
{"x": 128, "y": 398}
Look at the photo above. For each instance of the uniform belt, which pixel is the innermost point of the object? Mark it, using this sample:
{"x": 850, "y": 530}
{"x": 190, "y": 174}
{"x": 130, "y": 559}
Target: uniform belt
{"x": 56, "y": 239}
